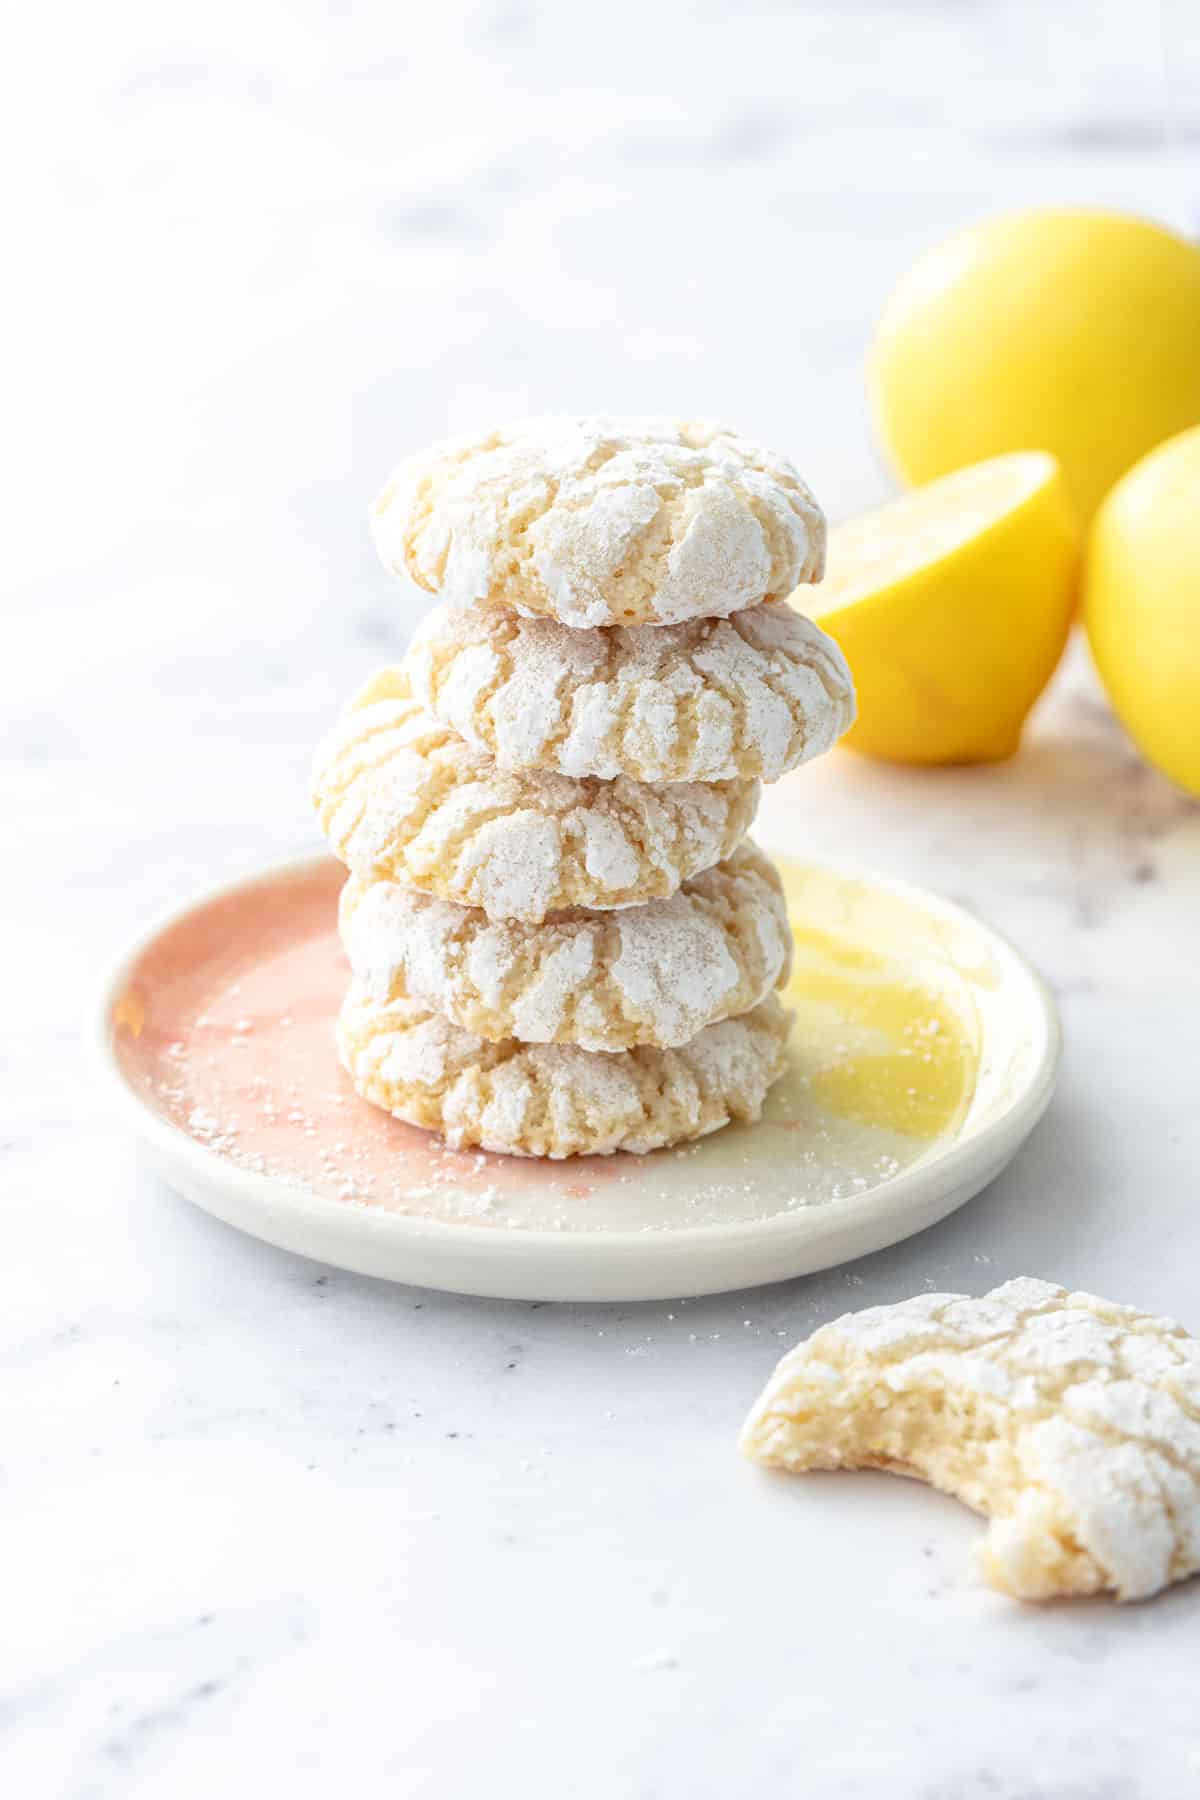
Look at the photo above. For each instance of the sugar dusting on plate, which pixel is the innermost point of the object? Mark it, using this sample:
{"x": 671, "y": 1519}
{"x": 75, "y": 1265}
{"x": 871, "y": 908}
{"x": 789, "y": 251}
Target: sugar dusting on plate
{"x": 226, "y": 1028}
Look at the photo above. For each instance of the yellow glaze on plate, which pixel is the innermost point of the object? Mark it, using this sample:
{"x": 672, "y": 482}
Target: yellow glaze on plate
{"x": 884, "y": 1038}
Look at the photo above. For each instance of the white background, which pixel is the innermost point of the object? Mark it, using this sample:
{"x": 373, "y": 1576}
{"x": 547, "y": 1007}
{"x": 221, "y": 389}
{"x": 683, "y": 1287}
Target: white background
{"x": 271, "y": 1530}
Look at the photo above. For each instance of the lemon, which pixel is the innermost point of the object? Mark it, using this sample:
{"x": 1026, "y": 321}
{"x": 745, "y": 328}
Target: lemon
{"x": 1142, "y": 605}
{"x": 952, "y": 605}
{"x": 1070, "y": 331}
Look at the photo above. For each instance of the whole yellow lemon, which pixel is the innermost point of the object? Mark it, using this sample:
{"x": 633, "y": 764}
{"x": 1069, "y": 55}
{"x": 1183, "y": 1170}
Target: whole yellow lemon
{"x": 1076, "y": 332}
{"x": 1142, "y": 605}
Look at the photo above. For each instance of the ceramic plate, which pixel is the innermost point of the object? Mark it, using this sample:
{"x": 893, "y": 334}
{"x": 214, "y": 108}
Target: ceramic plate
{"x": 924, "y": 1051}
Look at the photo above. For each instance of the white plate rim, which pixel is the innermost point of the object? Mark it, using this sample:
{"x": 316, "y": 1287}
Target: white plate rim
{"x": 960, "y": 1170}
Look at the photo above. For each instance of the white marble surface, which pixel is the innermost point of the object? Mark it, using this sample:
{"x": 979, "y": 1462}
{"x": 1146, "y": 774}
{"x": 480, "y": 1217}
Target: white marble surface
{"x": 272, "y": 1529}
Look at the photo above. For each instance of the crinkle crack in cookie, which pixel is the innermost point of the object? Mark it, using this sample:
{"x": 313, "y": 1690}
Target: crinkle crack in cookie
{"x": 654, "y": 974}
{"x": 599, "y": 521}
{"x": 402, "y": 798}
{"x": 710, "y": 700}
{"x": 554, "y": 1099}
{"x": 1072, "y": 1423}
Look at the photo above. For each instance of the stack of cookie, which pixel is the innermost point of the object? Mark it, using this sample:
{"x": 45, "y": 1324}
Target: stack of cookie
{"x": 561, "y": 941}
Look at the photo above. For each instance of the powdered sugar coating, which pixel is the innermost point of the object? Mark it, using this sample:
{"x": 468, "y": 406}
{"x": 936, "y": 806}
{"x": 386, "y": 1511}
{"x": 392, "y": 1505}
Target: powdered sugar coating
{"x": 602, "y": 521}
{"x": 554, "y": 1099}
{"x": 402, "y": 798}
{"x": 1073, "y": 1423}
{"x": 710, "y": 700}
{"x": 654, "y": 974}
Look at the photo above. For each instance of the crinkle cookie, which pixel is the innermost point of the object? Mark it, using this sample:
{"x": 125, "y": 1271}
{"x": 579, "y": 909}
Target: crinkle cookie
{"x": 402, "y": 798}
{"x": 1073, "y": 1424}
{"x": 554, "y": 1099}
{"x": 711, "y": 700}
{"x": 654, "y": 974}
{"x": 600, "y": 521}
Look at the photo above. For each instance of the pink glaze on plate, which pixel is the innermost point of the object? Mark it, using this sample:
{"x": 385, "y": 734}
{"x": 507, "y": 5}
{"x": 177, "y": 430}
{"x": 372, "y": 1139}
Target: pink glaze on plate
{"x": 225, "y": 1027}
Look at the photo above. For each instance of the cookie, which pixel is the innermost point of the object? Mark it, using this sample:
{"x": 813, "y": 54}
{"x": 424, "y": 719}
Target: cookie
{"x": 654, "y": 974}
{"x": 602, "y": 521}
{"x": 1073, "y": 1424}
{"x": 402, "y": 798}
{"x": 711, "y": 700}
{"x": 554, "y": 1099}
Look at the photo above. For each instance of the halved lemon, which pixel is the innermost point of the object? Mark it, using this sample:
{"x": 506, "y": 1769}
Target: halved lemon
{"x": 953, "y": 605}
